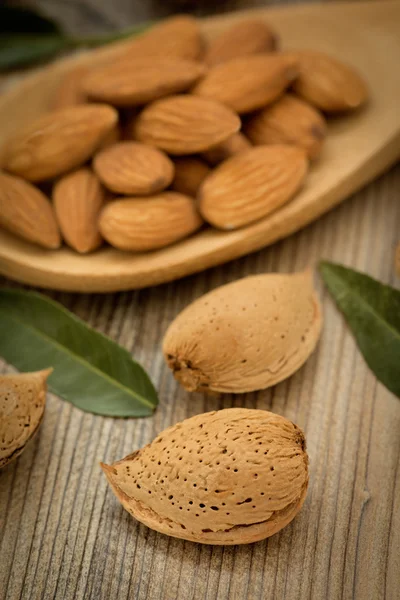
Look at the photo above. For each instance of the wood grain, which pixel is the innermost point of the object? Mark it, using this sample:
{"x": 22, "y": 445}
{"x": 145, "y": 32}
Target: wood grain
{"x": 358, "y": 148}
{"x": 64, "y": 536}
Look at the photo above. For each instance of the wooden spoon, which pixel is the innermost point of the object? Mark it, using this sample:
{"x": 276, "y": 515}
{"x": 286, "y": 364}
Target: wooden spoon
{"x": 358, "y": 148}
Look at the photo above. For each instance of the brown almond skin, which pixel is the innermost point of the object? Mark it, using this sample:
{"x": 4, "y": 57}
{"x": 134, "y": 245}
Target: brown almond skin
{"x": 179, "y": 37}
{"x": 141, "y": 80}
{"x": 133, "y": 168}
{"x": 142, "y": 224}
{"x": 327, "y": 83}
{"x": 233, "y": 476}
{"x": 290, "y": 120}
{"x": 251, "y": 185}
{"x": 78, "y": 199}
{"x": 22, "y": 404}
{"x": 59, "y": 141}
{"x": 185, "y": 124}
{"x": 248, "y": 83}
{"x": 245, "y": 336}
{"x": 236, "y": 144}
{"x": 248, "y": 36}
{"x": 27, "y": 212}
{"x": 69, "y": 91}
{"x": 190, "y": 173}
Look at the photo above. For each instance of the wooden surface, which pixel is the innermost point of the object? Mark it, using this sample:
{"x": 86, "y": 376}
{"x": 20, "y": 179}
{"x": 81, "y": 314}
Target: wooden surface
{"x": 358, "y": 147}
{"x": 63, "y": 534}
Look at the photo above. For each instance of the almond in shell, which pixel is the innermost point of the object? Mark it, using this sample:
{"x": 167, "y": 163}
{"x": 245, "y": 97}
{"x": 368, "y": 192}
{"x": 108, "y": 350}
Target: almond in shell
{"x": 290, "y": 120}
{"x": 59, "y": 141}
{"x": 133, "y": 168}
{"x": 22, "y": 404}
{"x": 236, "y": 144}
{"x": 185, "y": 124}
{"x": 250, "y": 185}
{"x": 138, "y": 81}
{"x": 78, "y": 199}
{"x": 142, "y": 224}
{"x": 329, "y": 84}
{"x": 27, "y": 212}
{"x": 244, "y": 336}
{"x": 248, "y": 36}
{"x": 233, "y": 476}
{"x": 248, "y": 83}
{"x": 190, "y": 173}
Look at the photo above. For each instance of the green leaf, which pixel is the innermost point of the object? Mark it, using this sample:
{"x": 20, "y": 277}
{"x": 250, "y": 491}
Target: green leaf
{"x": 90, "y": 370}
{"x": 15, "y": 19}
{"x": 23, "y": 50}
{"x": 372, "y": 311}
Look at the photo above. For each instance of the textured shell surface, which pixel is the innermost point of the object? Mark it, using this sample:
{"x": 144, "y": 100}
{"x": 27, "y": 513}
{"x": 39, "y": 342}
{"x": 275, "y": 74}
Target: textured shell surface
{"x": 244, "y": 336}
{"x": 232, "y": 476}
{"x": 22, "y": 403}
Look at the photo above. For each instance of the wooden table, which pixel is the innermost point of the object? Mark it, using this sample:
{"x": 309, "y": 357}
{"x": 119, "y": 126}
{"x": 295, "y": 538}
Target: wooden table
{"x": 63, "y": 534}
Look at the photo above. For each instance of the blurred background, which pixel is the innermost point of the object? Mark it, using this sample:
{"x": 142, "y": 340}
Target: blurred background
{"x": 96, "y": 16}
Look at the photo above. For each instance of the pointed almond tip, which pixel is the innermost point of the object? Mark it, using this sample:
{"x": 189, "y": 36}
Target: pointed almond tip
{"x": 45, "y": 373}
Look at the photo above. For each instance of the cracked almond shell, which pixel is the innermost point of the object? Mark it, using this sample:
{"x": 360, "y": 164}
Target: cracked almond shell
{"x": 233, "y": 476}
{"x": 22, "y": 403}
{"x": 244, "y": 336}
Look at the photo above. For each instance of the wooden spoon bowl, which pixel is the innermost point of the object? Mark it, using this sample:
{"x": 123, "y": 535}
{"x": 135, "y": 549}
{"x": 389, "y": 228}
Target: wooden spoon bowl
{"x": 358, "y": 148}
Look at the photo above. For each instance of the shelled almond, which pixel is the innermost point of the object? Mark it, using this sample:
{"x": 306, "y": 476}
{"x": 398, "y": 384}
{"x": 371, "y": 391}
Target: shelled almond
{"x": 182, "y": 129}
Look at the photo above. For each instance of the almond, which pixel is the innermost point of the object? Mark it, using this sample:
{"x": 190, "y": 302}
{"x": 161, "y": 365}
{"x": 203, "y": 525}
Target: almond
{"x": 236, "y": 144}
{"x": 26, "y": 212}
{"x": 190, "y": 173}
{"x": 178, "y": 37}
{"x": 59, "y": 141}
{"x": 244, "y": 336}
{"x": 289, "y": 120}
{"x": 250, "y": 82}
{"x": 141, "y": 80}
{"x": 133, "y": 168}
{"x": 250, "y": 185}
{"x": 69, "y": 91}
{"x": 142, "y": 224}
{"x": 328, "y": 83}
{"x": 185, "y": 124}
{"x": 248, "y": 36}
{"x": 22, "y": 404}
{"x": 233, "y": 476}
{"x": 78, "y": 199}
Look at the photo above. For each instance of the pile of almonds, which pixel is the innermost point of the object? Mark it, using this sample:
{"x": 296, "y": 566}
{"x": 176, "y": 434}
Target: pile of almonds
{"x": 170, "y": 134}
